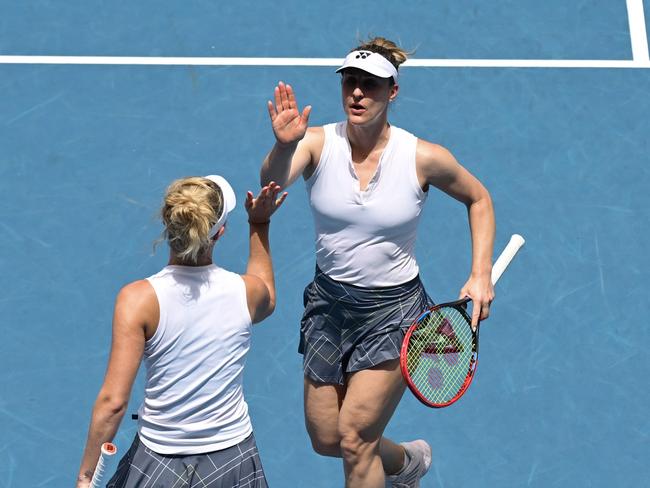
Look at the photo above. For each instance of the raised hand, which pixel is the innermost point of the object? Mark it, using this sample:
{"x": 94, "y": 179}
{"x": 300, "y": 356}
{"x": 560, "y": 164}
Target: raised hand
{"x": 289, "y": 124}
{"x": 261, "y": 208}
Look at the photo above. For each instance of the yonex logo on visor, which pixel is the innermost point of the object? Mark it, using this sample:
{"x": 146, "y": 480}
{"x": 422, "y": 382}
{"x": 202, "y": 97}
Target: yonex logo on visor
{"x": 370, "y": 62}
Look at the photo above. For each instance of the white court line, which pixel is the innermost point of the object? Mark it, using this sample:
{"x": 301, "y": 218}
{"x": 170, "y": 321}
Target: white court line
{"x": 636, "y": 20}
{"x": 637, "y": 62}
{"x": 638, "y": 35}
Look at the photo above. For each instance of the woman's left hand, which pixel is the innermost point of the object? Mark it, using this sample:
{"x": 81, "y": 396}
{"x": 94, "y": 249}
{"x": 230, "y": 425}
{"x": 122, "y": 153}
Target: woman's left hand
{"x": 261, "y": 208}
{"x": 479, "y": 288}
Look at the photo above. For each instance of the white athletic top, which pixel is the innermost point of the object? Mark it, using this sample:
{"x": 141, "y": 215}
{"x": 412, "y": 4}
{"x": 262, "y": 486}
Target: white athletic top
{"x": 194, "y": 401}
{"x": 366, "y": 238}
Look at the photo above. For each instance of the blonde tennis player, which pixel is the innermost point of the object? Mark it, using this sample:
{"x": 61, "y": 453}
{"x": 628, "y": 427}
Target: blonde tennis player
{"x": 191, "y": 325}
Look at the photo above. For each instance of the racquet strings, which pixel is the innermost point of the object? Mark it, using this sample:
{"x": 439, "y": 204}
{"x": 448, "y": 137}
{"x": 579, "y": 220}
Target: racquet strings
{"x": 440, "y": 353}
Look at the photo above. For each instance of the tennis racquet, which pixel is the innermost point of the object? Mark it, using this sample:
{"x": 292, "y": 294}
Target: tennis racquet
{"x": 440, "y": 350}
{"x": 108, "y": 450}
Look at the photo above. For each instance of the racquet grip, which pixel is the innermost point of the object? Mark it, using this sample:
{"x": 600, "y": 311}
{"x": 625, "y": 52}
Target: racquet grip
{"x": 516, "y": 241}
{"x": 108, "y": 450}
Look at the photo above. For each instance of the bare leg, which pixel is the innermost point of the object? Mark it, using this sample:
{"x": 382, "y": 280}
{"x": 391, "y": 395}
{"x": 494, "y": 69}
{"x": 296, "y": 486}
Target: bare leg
{"x": 322, "y": 405}
{"x": 392, "y": 456}
{"x": 370, "y": 401}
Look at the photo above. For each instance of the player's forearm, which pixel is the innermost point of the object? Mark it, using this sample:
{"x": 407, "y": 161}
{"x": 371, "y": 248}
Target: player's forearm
{"x": 277, "y": 164}
{"x": 259, "y": 260}
{"x": 482, "y": 226}
{"x": 105, "y": 421}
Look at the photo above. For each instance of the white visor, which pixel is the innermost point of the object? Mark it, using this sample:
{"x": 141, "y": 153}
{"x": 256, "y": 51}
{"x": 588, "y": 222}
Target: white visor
{"x": 370, "y": 62}
{"x": 229, "y": 202}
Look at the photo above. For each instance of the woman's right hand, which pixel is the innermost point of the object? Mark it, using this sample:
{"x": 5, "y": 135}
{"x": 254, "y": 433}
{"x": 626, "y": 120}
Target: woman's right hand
{"x": 289, "y": 124}
{"x": 261, "y": 208}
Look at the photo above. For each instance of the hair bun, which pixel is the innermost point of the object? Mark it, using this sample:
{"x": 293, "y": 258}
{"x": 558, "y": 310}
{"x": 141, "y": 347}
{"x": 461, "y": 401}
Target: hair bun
{"x": 190, "y": 209}
{"x": 387, "y": 48}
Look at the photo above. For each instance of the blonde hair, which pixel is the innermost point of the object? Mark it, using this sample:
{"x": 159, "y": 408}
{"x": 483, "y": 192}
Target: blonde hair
{"x": 388, "y": 49}
{"x": 191, "y": 207}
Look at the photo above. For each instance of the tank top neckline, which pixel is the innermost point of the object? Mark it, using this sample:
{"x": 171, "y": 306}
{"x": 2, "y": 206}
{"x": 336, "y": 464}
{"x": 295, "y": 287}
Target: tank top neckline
{"x": 191, "y": 269}
{"x": 374, "y": 179}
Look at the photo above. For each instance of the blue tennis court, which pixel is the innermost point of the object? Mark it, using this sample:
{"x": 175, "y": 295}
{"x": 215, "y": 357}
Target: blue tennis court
{"x": 87, "y": 148}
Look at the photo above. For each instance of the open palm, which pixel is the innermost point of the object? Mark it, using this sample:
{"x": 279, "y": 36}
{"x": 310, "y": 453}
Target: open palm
{"x": 261, "y": 208}
{"x": 289, "y": 124}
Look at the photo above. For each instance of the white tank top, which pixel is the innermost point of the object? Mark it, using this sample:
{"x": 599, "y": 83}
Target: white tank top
{"x": 366, "y": 238}
{"x": 194, "y": 401}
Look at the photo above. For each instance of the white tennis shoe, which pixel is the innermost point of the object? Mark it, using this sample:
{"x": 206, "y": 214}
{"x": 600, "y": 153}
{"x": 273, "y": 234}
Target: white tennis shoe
{"x": 419, "y": 453}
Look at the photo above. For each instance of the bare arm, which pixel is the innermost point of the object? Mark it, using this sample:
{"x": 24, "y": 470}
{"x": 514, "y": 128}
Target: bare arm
{"x": 136, "y": 308}
{"x": 259, "y": 279}
{"x": 438, "y": 167}
{"x": 293, "y": 152}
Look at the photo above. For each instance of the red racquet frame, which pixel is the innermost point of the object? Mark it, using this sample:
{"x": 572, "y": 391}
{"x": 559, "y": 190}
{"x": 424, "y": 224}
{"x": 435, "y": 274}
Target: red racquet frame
{"x": 459, "y": 305}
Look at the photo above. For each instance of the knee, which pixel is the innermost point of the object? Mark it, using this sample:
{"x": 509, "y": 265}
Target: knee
{"x": 351, "y": 446}
{"x": 324, "y": 448}
{"x": 355, "y": 447}
{"x": 325, "y": 443}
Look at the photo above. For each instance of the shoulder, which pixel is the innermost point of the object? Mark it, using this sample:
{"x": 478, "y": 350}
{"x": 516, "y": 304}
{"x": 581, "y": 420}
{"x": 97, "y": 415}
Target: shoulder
{"x": 429, "y": 152}
{"x": 231, "y": 278}
{"x": 436, "y": 165}
{"x": 255, "y": 287}
{"x": 137, "y": 302}
{"x": 434, "y": 159}
{"x": 136, "y": 291}
{"x": 312, "y": 144}
{"x": 314, "y": 137}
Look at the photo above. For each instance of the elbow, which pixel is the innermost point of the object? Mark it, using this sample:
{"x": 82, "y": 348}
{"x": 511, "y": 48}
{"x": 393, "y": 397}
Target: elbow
{"x": 264, "y": 310}
{"x": 270, "y": 308}
{"x": 111, "y": 406}
{"x": 482, "y": 200}
{"x": 486, "y": 196}
{"x": 487, "y": 202}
